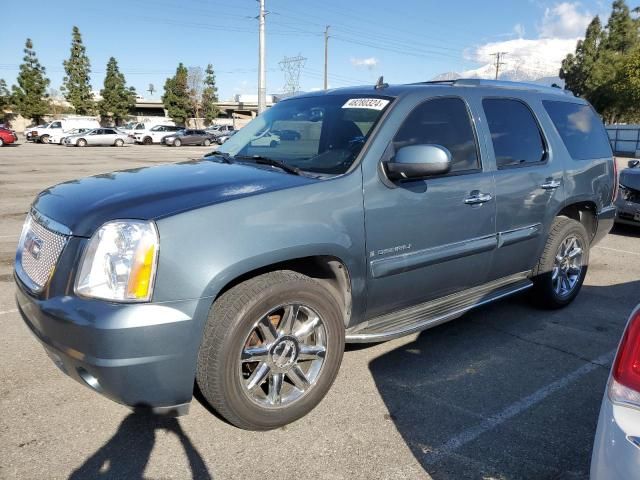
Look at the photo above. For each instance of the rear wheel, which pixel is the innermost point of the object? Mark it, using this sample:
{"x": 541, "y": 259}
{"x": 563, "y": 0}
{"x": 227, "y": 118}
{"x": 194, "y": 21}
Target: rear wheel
{"x": 272, "y": 347}
{"x": 81, "y": 143}
{"x": 206, "y": 142}
{"x": 177, "y": 142}
{"x": 562, "y": 267}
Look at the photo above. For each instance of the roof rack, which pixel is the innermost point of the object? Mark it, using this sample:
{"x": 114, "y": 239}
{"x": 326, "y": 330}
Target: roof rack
{"x": 478, "y": 82}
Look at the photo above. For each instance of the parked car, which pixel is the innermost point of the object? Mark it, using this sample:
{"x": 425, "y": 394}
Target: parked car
{"x": 188, "y": 137}
{"x": 31, "y": 134}
{"x": 628, "y": 201}
{"x": 218, "y": 130}
{"x": 288, "y": 135}
{"x": 220, "y": 139}
{"x": 266, "y": 139}
{"x": 58, "y": 127}
{"x": 98, "y": 136}
{"x": 616, "y": 450}
{"x": 7, "y": 136}
{"x": 400, "y": 208}
{"x": 155, "y": 134}
{"x": 58, "y": 137}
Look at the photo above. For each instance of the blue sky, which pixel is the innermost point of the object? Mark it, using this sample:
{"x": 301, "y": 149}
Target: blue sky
{"x": 406, "y": 40}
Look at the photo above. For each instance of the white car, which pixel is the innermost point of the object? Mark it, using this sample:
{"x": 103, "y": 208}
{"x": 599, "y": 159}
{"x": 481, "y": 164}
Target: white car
{"x": 42, "y": 134}
{"x": 616, "y": 449}
{"x": 155, "y": 134}
{"x": 98, "y": 136}
{"x": 58, "y": 137}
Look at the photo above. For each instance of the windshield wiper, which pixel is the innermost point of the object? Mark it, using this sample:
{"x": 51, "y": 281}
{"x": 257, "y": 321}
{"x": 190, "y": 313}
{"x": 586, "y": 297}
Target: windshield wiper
{"x": 226, "y": 158}
{"x": 270, "y": 161}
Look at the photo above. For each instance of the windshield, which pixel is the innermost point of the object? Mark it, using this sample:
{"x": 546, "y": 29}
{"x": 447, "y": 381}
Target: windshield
{"x": 321, "y": 134}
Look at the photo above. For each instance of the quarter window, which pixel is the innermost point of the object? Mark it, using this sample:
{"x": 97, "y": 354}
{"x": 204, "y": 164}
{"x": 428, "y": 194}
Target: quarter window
{"x": 444, "y": 122}
{"x": 514, "y": 132}
{"x": 580, "y": 129}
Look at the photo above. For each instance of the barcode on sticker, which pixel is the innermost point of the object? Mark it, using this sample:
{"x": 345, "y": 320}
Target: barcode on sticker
{"x": 370, "y": 103}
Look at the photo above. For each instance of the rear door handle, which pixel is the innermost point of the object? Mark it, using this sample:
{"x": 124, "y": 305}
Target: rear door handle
{"x": 550, "y": 184}
{"x": 477, "y": 198}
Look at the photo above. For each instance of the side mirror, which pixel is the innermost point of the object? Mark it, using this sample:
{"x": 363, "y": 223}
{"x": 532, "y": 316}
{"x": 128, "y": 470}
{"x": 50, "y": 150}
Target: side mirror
{"x": 633, "y": 163}
{"x": 419, "y": 161}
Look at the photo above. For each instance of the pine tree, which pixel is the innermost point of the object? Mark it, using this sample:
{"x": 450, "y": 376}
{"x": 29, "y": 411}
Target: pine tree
{"x": 576, "y": 69}
{"x": 76, "y": 84}
{"x": 622, "y": 29}
{"x": 29, "y": 96}
{"x": 5, "y": 97}
{"x": 117, "y": 100}
{"x": 176, "y": 96}
{"x": 210, "y": 96}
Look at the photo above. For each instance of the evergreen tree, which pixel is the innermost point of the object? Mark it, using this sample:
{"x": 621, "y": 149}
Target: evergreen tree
{"x": 622, "y": 29}
{"x": 576, "y": 69}
{"x": 5, "y": 96}
{"x": 29, "y": 96}
{"x": 210, "y": 96}
{"x": 176, "y": 96}
{"x": 117, "y": 100}
{"x": 76, "y": 84}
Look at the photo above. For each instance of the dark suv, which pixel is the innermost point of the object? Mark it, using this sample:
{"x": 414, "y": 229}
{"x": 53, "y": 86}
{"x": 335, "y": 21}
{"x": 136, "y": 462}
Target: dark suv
{"x": 397, "y": 209}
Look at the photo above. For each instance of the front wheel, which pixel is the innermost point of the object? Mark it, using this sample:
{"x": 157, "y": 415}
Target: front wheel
{"x": 272, "y": 347}
{"x": 81, "y": 143}
{"x": 119, "y": 142}
{"x": 1, "y": 142}
{"x": 177, "y": 142}
{"x": 562, "y": 267}
{"x": 206, "y": 142}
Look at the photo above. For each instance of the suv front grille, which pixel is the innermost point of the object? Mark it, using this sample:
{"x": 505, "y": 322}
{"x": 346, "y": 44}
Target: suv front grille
{"x": 38, "y": 252}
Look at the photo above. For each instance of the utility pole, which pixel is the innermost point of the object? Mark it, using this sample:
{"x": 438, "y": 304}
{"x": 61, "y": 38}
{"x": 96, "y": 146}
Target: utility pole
{"x": 498, "y": 55}
{"x": 262, "y": 81}
{"x": 326, "y": 57}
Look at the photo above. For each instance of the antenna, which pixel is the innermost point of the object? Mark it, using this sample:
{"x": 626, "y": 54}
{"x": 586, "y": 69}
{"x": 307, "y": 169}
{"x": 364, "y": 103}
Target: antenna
{"x": 380, "y": 84}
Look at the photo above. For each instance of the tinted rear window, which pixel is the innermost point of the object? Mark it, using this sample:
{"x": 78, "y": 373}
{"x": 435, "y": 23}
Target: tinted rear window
{"x": 580, "y": 129}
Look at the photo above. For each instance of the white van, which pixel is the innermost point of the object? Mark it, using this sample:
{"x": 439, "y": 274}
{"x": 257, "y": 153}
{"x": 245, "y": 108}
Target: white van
{"x": 42, "y": 134}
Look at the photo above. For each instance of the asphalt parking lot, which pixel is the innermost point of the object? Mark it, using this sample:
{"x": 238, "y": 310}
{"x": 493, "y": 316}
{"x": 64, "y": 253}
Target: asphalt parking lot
{"x": 505, "y": 392}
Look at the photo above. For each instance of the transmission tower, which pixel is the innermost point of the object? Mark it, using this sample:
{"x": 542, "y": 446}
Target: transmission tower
{"x": 292, "y": 67}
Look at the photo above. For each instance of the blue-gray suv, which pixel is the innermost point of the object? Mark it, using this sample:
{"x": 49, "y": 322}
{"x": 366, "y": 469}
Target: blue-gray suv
{"x": 391, "y": 210}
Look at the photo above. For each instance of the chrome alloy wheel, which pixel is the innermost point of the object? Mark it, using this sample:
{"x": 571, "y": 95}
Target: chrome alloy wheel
{"x": 567, "y": 266}
{"x": 283, "y": 355}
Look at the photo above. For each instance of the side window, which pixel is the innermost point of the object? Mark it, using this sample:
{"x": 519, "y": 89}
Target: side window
{"x": 580, "y": 129}
{"x": 55, "y": 125}
{"x": 109, "y": 132}
{"x": 514, "y": 132}
{"x": 445, "y": 122}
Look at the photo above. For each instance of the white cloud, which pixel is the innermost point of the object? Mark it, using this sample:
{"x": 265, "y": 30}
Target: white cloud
{"x": 369, "y": 63}
{"x": 564, "y": 20}
{"x": 519, "y": 30}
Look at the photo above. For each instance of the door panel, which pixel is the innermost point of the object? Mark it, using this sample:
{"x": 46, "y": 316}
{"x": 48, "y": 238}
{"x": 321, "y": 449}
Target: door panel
{"x": 424, "y": 240}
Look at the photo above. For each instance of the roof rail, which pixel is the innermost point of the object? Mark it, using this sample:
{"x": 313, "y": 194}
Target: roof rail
{"x": 478, "y": 82}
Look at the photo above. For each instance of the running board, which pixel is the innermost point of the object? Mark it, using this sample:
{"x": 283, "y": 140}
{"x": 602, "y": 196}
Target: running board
{"x": 432, "y": 313}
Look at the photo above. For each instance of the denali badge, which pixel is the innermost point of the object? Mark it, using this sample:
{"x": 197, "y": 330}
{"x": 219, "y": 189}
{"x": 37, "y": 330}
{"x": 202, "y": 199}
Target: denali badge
{"x": 33, "y": 245}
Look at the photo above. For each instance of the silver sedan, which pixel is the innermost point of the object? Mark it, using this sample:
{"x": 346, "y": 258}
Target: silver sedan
{"x": 616, "y": 450}
{"x": 98, "y": 136}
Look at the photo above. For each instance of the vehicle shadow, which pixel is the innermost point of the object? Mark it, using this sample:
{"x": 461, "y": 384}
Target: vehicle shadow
{"x": 127, "y": 453}
{"x": 487, "y": 395}
{"x": 625, "y": 230}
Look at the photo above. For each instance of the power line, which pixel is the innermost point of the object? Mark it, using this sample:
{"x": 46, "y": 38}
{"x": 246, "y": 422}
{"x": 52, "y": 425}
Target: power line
{"x": 498, "y": 56}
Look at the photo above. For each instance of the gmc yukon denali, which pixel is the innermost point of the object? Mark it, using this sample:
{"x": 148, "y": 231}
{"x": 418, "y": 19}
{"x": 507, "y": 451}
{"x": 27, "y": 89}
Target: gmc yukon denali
{"x": 391, "y": 210}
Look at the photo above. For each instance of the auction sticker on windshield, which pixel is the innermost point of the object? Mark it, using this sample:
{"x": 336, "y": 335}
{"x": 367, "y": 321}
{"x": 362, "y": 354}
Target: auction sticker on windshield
{"x": 370, "y": 103}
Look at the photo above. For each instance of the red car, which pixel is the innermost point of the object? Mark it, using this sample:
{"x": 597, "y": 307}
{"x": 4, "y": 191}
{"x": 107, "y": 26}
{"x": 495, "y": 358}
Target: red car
{"x": 7, "y": 136}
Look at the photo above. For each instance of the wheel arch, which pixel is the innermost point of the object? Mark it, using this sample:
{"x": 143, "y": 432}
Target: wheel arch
{"x": 583, "y": 211}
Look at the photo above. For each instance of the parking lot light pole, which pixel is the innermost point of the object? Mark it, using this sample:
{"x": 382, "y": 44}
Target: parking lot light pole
{"x": 262, "y": 89}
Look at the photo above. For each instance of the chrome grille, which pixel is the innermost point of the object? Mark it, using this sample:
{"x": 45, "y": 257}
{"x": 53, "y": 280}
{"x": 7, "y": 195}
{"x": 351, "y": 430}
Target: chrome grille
{"x": 38, "y": 253}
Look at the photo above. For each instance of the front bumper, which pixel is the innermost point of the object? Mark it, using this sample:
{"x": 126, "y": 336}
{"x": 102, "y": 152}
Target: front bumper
{"x": 139, "y": 355}
{"x": 627, "y": 212}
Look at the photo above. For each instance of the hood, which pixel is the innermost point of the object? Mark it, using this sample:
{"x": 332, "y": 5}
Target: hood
{"x": 630, "y": 178}
{"x": 154, "y": 192}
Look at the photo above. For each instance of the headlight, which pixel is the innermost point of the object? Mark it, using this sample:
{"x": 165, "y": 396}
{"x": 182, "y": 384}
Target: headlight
{"x": 119, "y": 262}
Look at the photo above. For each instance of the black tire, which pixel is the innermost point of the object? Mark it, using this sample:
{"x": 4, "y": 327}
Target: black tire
{"x": 81, "y": 143}
{"x": 543, "y": 292}
{"x": 119, "y": 142}
{"x": 177, "y": 142}
{"x": 206, "y": 142}
{"x": 44, "y": 139}
{"x": 232, "y": 318}
{"x": 147, "y": 141}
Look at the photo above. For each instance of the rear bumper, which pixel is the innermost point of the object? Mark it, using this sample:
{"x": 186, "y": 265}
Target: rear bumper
{"x": 606, "y": 217}
{"x": 616, "y": 456}
{"x": 139, "y": 355}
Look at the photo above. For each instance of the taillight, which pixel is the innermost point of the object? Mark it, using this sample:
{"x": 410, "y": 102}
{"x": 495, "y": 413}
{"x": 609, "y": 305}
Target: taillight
{"x": 616, "y": 182}
{"x": 625, "y": 384}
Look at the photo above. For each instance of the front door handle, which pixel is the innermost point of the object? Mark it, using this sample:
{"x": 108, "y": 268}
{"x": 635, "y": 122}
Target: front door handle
{"x": 550, "y": 184}
{"x": 477, "y": 198}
